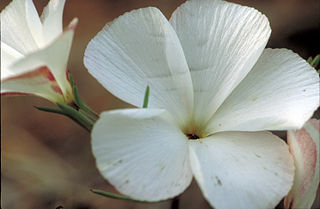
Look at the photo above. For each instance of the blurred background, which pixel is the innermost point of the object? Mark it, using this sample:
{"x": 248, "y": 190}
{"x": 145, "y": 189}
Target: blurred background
{"x": 47, "y": 160}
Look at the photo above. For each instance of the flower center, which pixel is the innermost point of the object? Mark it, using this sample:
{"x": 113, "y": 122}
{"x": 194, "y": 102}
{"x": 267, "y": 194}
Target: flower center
{"x": 194, "y": 131}
{"x": 192, "y": 136}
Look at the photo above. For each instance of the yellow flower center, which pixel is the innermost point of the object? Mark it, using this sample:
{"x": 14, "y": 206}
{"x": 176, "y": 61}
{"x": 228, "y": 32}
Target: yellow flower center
{"x": 195, "y": 132}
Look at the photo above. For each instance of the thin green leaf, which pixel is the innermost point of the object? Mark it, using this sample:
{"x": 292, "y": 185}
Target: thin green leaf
{"x": 146, "y": 97}
{"x": 114, "y": 196}
{"x": 315, "y": 62}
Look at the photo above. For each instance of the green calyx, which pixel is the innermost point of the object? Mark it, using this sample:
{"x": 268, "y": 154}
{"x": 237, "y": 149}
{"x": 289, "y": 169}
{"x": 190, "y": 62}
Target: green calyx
{"x": 77, "y": 110}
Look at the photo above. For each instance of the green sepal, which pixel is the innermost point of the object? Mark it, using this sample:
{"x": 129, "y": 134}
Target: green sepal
{"x": 77, "y": 116}
{"x": 114, "y": 196}
{"x": 146, "y": 97}
{"x": 315, "y": 62}
{"x": 52, "y": 110}
{"x": 61, "y": 112}
{"x": 75, "y": 91}
{"x": 76, "y": 110}
{"x": 79, "y": 101}
{"x": 71, "y": 79}
{"x": 82, "y": 105}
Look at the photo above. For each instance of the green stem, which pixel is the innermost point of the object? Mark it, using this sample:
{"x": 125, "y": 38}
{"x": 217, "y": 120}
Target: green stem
{"x": 114, "y": 196}
{"x": 81, "y": 119}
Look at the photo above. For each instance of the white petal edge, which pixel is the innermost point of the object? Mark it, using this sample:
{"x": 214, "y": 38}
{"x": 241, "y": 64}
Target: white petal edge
{"x": 242, "y": 170}
{"x": 51, "y": 18}
{"x": 8, "y": 56}
{"x": 221, "y": 41}
{"x": 142, "y": 153}
{"x": 304, "y": 146}
{"x": 21, "y": 27}
{"x": 137, "y": 49}
{"x": 281, "y": 92}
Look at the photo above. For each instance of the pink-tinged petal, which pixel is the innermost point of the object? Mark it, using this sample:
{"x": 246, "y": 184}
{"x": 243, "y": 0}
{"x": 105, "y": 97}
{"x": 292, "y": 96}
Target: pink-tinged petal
{"x": 39, "y": 82}
{"x": 30, "y": 45}
{"x": 304, "y": 146}
{"x": 54, "y": 58}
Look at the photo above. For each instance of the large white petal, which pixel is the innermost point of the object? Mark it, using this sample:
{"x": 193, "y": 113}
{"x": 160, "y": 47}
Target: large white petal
{"x": 281, "y": 92}
{"x": 242, "y": 170}
{"x": 304, "y": 146}
{"x": 142, "y": 153}
{"x": 55, "y": 57}
{"x": 21, "y": 27}
{"x": 137, "y": 49}
{"x": 52, "y": 20}
{"x": 221, "y": 42}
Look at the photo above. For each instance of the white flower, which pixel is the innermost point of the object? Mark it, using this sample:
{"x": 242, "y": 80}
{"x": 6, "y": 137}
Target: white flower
{"x": 213, "y": 92}
{"x": 34, "y": 51}
{"x": 304, "y": 146}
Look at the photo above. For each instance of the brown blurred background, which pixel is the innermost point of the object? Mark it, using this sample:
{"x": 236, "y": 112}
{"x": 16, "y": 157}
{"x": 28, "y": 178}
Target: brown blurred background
{"x": 47, "y": 160}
